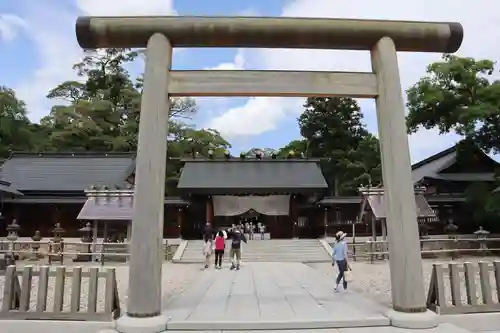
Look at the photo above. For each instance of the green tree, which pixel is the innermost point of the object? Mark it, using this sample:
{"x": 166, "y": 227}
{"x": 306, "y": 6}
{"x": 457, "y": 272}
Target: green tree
{"x": 333, "y": 129}
{"x": 103, "y": 112}
{"x": 298, "y": 147}
{"x": 483, "y": 203}
{"x": 183, "y": 142}
{"x": 458, "y": 95}
{"x": 266, "y": 152}
{"x": 16, "y": 131}
{"x": 200, "y": 141}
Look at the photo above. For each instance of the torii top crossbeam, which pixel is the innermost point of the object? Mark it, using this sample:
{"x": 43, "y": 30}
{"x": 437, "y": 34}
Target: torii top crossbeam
{"x": 266, "y": 32}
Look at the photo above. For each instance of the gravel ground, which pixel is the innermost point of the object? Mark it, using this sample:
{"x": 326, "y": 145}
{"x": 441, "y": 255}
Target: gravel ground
{"x": 175, "y": 279}
{"x": 372, "y": 279}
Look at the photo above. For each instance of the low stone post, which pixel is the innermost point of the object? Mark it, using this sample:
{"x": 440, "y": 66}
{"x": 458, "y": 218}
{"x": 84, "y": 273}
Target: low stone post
{"x": 57, "y": 243}
{"x": 482, "y": 235}
{"x": 86, "y": 238}
{"x": 37, "y": 237}
{"x": 12, "y": 237}
{"x": 451, "y": 230}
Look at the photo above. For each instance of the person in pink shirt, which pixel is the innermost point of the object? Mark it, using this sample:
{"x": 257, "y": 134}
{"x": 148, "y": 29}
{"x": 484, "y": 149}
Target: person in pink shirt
{"x": 220, "y": 245}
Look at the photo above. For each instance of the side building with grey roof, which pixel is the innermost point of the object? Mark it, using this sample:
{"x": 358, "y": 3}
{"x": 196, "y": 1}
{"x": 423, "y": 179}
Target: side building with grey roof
{"x": 448, "y": 175}
{"x": 52, "y": 185}
{"x": 42, "y": 189}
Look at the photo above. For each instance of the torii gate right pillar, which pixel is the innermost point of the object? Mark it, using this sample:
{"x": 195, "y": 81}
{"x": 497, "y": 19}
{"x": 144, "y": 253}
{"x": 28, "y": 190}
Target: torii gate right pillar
{"x": 407, "y": 285}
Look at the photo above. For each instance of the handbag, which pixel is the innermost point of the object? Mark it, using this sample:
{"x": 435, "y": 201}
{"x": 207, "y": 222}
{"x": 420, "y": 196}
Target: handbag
{"x": 348, "y": 274}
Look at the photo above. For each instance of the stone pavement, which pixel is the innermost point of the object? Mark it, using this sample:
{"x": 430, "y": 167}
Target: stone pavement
{"x": 269, "y": 296}
{"x": 18, "y": 326}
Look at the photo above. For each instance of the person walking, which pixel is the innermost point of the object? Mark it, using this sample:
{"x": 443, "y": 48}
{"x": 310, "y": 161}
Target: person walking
{"x": 208, "y": 232}
{"x": 262, "y": 230}
{"x": 340, "y": 258}
{"x": 236, "y": 238}
{"x": 220, "y": 245}
{"x": 251, "y": 229}
{"x": 207, "y": 252}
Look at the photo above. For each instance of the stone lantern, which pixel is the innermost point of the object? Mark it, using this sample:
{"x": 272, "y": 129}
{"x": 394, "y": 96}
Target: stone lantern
{"x": 423, "y": 230}
{"x": 57, "y": 231}
{"x": 37, "y": 237}
{"x": 57, "y": 246}
{"x": 12, "y": 236}
{"x": 451, "y": 230}
{"x": 86, "y": 238}
{"x": 482, "y": 235}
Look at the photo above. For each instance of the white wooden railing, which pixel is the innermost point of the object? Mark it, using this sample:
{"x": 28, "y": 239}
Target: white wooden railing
{"x": 453, "y": 288}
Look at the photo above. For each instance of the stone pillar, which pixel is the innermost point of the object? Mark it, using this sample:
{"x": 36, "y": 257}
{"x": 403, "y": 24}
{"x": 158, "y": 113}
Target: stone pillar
{"x": 374, "y": 228}
{"x": 129, "y": 231}
{"x": 384, "y": 236}
{"x": 93, "y": 248}
{"x": 408, "y": 298}
{"x": 144, "y": 291}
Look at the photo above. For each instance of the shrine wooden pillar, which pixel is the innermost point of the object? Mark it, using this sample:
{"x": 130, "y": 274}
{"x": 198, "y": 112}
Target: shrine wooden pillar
{"x": 209, "y": 211}
{"x": 294, "y": 216}
{"x": 180, "y": 213}
{"x": 325, "y": 221}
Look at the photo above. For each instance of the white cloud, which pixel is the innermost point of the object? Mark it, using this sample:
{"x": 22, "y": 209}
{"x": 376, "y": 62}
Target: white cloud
{"x": 52, "y": 30}
{"x": 238, "y": 63}
{"x": 9, "y": 26}
{"x": 126, "y": 7}
{"x": 481, "y": 28}
{"x": 254, "y": 117}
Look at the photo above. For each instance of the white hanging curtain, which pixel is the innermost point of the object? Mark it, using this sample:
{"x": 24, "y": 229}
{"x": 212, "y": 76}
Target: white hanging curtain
{"x": 227, "y": 205}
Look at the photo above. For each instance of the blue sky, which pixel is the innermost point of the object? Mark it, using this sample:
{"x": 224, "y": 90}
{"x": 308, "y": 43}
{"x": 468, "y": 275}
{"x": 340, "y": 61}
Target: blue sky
{"x": 38, "y": 47}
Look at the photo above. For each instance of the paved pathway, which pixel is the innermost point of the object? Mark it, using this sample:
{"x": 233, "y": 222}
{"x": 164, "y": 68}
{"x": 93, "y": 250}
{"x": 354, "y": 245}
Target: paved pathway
{"x": 270, "y": 296}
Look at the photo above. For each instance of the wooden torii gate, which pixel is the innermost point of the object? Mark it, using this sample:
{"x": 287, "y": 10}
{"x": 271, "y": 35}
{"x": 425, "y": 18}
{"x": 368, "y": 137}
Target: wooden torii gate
{"x": 382, "y": 38}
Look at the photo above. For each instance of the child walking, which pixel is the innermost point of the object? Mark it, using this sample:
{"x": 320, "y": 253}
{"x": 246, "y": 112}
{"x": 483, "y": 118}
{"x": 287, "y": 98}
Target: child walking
{"x": 207, "y": 251}
{"x": 220, "y": 245}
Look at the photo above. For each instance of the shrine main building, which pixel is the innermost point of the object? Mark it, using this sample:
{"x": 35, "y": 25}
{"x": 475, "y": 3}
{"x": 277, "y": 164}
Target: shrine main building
{"x": 287, "y": 195}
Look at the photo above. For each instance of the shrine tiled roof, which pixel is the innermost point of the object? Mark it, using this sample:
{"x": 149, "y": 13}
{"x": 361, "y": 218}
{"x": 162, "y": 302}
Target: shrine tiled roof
{"x": 251, "y": 176}
{"x": 65, "y": 171}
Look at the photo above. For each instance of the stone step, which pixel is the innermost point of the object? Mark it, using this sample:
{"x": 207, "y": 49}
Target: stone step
{"x": 283, "y": 250}
{"x": 249, "y": 249}
{"x": 269, "y": 256}
{"x": 266, "y": 259}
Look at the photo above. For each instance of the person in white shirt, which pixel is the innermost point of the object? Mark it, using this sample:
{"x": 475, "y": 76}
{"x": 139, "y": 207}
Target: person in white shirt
{"x": 207, "y": 251}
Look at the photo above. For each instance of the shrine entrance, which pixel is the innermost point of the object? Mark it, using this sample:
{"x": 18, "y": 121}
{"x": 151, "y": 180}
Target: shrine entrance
{"x": 252, "y": 211}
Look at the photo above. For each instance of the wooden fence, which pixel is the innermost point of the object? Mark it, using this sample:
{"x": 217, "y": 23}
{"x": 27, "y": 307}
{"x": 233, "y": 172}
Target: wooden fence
{"x": 18, "y": 290}
{"x": 68, "y": 250}
{"x": 430, "y": 248}
{"x": 448, "y": 297}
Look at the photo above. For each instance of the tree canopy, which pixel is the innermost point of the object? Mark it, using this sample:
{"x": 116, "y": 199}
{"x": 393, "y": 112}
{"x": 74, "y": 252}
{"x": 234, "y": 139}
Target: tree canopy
{"x": 333, "y": 128}
{"x": 458, "y": 95}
